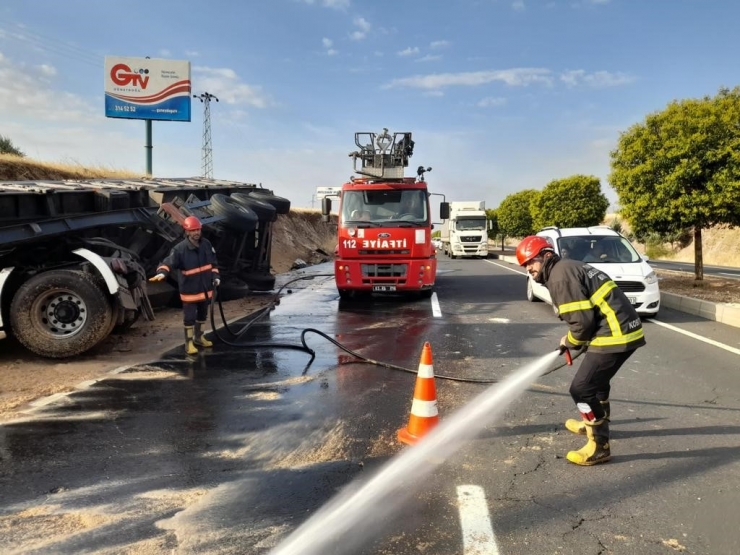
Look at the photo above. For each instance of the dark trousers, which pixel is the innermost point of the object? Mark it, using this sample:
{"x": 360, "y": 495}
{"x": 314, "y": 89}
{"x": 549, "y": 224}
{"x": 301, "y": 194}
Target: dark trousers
{"x": 591, "y": 382}
{"x": 194, "y": 312}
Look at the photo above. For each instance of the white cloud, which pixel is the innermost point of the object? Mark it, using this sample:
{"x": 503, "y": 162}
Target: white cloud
{"x": 363, "y": 28}
{"x": 46, "y": 69}
{"x": 192, "y": 53}
{"x": 434, "y": 45}
{"x": 226, "y": 85}
{"x": 328, "y": 43}
{"x": 164, "y": 53}
{"x": 597, "y": 79}
{"x": 23, "y": 95}
{"x": 335, "y": 4}
{"x": 513, "y": 77}
{"x": 518, "y": 5}
{"x": 491, "y": 102}
{"x": 434, "y": 94}
{"x": 410, "y": 51}
{"x": 429, "y": 58}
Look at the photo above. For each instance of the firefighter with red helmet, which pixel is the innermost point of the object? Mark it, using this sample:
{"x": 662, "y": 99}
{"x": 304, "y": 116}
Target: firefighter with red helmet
{"x": 600, "y": 317}
{"x": 195, "y": 258}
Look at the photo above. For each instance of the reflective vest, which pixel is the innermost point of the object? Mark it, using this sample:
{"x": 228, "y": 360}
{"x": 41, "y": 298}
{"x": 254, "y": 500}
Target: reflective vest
{"x": 197, "y": 267}
{"x": 596, "y": 310}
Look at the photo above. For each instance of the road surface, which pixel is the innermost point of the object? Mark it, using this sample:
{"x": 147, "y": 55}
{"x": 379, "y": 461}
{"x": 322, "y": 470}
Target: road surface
{"x": 230, "y": 452}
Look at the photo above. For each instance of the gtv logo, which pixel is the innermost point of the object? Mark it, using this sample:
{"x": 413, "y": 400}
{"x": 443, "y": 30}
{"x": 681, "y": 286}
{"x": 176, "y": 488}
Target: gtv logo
{"x": 123, "y": 76}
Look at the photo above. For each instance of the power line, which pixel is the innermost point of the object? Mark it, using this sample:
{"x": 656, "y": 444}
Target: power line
{"x": 207, "y": 157}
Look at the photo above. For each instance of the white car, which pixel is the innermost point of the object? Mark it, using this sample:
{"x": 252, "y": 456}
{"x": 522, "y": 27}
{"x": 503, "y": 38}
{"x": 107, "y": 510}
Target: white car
{"x": 608, "y": 251}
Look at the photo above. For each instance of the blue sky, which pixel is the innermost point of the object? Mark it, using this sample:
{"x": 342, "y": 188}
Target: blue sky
{"x": 500, "y": 95}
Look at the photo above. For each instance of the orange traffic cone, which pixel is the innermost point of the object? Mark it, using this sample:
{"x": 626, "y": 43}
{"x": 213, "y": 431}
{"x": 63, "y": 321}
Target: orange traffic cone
{"x": 424, "y": 415}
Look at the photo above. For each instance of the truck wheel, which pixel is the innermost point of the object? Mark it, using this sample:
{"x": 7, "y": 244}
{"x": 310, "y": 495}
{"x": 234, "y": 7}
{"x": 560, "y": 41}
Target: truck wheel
{"x": 236, "y": 216}
{"x": 61, "y": 313}
{"x": 282, "y": 205}
{"x": 345, "y": 294}
{"x": 426, "y": 293}
{"x": 265, "y": 211}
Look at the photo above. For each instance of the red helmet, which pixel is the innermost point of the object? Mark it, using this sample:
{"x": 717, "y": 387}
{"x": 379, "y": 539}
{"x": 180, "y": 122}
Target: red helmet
{"x": 531, "y": 247}
{"x": 191, "y": 223}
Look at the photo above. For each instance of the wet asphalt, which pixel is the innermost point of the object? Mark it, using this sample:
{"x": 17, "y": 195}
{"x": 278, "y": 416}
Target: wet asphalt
{"x": 230, "y": 451}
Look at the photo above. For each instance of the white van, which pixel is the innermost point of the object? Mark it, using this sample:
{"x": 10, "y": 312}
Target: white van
{"x": 604, "y": 249}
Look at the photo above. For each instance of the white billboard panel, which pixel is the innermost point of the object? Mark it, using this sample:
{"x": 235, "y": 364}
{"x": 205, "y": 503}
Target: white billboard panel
{"x": 147, "y": 88}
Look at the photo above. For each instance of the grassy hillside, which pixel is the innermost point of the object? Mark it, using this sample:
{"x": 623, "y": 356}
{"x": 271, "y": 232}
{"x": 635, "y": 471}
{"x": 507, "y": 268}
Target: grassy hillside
{"x": 15, "y": 168}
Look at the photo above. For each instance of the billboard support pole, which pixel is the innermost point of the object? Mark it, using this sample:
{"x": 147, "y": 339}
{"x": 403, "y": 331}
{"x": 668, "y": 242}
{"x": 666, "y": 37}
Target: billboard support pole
{"x": 148, "y": 146}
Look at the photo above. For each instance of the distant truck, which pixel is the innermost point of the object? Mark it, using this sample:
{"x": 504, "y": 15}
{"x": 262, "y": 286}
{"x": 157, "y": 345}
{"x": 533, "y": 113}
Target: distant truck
{"x": 75, "y": 255}
{"x": 465, "y": 232}
{"x": 384, "y": 224}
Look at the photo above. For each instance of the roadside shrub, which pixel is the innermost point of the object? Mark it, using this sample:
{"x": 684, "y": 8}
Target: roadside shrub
{"x": 7, "y": 147}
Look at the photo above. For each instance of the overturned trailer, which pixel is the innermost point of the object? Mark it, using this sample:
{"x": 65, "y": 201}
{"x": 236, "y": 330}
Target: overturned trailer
{"x": 75, "y": 255}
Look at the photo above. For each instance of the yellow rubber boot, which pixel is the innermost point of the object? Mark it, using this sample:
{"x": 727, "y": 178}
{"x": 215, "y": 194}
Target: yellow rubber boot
{"x": 190, "y": 347}
{"x": 597, "y": 449}
{"x": 579, "y": 427}
{"x": 200, "y": 339}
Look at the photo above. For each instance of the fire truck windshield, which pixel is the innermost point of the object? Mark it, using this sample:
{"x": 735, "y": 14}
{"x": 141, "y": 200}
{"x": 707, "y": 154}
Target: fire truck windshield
{"x": 385, "y": 206}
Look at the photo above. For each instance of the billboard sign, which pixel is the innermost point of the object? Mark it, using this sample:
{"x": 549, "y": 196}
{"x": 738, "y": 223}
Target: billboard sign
{"x": 147, "y": 88}
{"x": 322, "y": 192}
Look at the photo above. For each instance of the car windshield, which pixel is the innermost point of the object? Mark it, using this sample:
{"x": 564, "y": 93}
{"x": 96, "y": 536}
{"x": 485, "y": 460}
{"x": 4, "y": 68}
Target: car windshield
{"x": 598, "y": 249}
{"x": 383, "y": 206}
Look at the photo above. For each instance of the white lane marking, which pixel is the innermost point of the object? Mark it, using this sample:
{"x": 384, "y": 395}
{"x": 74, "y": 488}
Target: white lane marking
{"x": 521, "y": 273}
{"x": 477, "y": 532}
{"x": 499, "y": 320}
{"x": 436, "y": 310}
{"x": 696, "y": 336}
{"x": 728, "y": 274}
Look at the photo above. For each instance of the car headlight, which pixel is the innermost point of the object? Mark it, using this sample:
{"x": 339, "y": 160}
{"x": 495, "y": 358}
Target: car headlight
{"x": 651, "y": 278}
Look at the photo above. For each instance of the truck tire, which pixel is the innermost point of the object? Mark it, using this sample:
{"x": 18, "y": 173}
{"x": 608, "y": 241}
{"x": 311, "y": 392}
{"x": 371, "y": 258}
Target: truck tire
{"x": 265, "y": 211}
{"x": 61, "y": 313}
{"x": 236, "y": 216}
{"x": 282, "y": 205}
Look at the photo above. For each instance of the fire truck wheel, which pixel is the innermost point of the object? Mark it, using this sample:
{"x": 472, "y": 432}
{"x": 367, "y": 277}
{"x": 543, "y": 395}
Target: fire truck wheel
{"x": 282, "y": 205}
{"x": 236, "y": 216}
{"x": 345, "y": 294}
{"x": 265, "y": 211}
{"x": 426, "y": 293}
{"x": 61, "y": 313}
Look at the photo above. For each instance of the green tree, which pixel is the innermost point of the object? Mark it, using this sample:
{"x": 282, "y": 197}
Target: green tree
{"x": 680, "y": 168}
{"x": 493, "y": 226}
{"x": 514, "y": 214}
{"x": 7, "y": 147}
{"x": 576, "y": 201}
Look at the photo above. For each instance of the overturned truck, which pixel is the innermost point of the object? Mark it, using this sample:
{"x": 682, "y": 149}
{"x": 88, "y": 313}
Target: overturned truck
{"x": 75, "y": 255}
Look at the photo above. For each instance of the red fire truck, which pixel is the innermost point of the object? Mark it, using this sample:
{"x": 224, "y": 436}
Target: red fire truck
{"x": 384, "y": 223}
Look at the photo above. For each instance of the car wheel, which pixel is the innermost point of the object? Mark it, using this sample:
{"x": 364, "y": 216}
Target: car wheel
{"x": 530, "y": 292}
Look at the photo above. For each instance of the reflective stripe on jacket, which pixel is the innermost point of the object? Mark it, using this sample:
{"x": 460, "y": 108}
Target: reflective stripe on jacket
{"x": 197, "y": 269}
{"x": 595, "y": 309}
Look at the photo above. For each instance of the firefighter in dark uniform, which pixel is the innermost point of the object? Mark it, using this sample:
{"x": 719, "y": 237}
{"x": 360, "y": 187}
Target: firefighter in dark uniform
{"x": 195, "y": 258}
{"x": 600, "y": 317}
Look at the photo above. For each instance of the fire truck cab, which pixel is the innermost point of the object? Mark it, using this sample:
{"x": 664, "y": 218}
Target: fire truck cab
{"x": 384, "y": 221}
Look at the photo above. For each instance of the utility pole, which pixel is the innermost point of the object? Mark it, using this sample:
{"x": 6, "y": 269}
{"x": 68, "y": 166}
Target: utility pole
{"x": 207, "y": 158}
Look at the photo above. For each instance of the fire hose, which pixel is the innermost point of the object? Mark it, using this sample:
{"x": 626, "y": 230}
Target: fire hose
{"x": 234, "y": 341}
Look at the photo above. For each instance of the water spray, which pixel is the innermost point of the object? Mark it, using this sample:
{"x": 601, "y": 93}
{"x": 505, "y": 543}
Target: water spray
{"x": 349, "y": 520}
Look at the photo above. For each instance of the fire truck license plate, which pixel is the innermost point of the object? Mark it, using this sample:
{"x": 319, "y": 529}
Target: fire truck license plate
{"x": 384, "y": 287}
{"x": 632, "y": 300}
